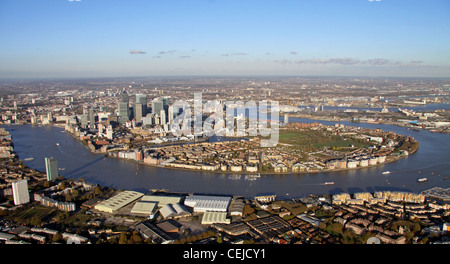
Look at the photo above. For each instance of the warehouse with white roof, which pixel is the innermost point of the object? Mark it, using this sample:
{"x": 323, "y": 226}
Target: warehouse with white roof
{"x": 173, "y": 211}
{"x": 147, "y": 209}
{"x": 118, "y": 201}
{"x": 203, "y": 203}
{"x": 210, "y": 218}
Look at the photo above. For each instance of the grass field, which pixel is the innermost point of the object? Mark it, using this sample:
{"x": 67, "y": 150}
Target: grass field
{"x": 341, "y": 143}
{"x": 316, "y": 139}
{"x": 24, "y": 216}
{"x": 302, "y": 137}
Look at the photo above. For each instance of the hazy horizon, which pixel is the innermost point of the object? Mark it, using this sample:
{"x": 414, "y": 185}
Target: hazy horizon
{"x": 101, "y": 39}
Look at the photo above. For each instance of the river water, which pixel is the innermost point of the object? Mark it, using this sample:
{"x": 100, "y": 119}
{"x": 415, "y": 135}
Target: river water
{"x": 432, "y": 161}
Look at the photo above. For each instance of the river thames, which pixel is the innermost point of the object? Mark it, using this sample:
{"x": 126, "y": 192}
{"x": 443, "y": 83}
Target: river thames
{"x": 432, "y": 161}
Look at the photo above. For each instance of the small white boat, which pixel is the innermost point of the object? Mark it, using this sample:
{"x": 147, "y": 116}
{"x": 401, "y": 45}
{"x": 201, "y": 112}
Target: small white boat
{"x": 250, "y": 178}
{"x": 385, "y": 172}
{"x": 57, "y": 144}
{"x": 422, "y": 179}
{"x": 329, "y": 183}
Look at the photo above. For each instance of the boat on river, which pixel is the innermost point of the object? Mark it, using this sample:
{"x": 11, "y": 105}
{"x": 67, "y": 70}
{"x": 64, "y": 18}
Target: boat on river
{"x": 385, "y": 172}
{"x": 422, "y": 179}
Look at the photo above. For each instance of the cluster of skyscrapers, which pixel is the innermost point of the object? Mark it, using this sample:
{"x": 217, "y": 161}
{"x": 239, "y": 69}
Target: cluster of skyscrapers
{"x": 160, "y": 112}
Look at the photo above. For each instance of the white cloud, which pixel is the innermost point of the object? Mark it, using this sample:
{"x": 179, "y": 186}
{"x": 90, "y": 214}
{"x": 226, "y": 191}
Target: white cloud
{"x": 167, "y": 52}
{"x": 234, "y": 54}
{"x": 137, "y": 52}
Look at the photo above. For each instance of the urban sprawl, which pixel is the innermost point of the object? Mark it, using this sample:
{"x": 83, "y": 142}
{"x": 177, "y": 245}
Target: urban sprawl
{"x": 133, "y": 118}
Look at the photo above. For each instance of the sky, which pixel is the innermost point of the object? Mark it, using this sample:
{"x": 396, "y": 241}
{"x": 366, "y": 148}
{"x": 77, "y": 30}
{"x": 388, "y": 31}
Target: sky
{"x": 95, "y": 38}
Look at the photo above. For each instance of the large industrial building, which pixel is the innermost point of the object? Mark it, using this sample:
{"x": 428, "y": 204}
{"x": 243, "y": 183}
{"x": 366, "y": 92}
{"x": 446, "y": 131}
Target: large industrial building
{"x": 203, "y": 203}
{"x": 144, "y": 209}
{"x": 168, "y": 204}
{"x": 118, "y": 201}
{"x": 173, "y": 211}
{"x": 210, "y": 218}
{"x": 162, "y": 200}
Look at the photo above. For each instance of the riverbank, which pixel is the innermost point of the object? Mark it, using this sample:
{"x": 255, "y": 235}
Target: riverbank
{"x": 297, "y": 168}
{"x": 410, "y": 124}
{"x": 79, "y": 162}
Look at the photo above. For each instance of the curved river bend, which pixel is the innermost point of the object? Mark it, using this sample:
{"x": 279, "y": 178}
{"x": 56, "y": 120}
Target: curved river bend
{"x": 432, "y": 161}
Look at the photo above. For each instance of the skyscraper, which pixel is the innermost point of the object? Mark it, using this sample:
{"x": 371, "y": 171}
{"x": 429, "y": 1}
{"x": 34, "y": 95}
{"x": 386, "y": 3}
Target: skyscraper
{"x": 84, "y": 120}
{"x": 124, "y": 112}
{"x": 138, "y": 112}
{"x": 140, "y": 107}
{"x": 51, "y": 166}
{"x": 141, "y": 99}
{"x": 20, "y": 192}
{"x": 91, "y": 116}
{"x": 124, "y": 98}
{"x": 163, "y": 117}
{"x": 170, "y": 115}
{"x": 157, "y": 106}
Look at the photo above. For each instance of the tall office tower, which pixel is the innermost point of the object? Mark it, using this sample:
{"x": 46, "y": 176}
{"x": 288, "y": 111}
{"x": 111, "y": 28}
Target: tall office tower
{"x": 163, "y": 117}
{"x": 84, "y": 120}
{"x": 91, "y": 116}
{"x": 20, "y": 192}
{"x": 157, "y": 106}
{"x": 138, "y": 112}
{"x": 51, "y": 166}
{"x": 170, "y": 115}
{"x": 142, "y": 99}
{"x": 124, "y": 98}
{"x": 165, "y": 101}
{"x": 124, "y": 112}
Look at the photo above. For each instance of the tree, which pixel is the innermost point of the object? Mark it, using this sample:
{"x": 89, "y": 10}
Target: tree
{"x": 136, "y": 238}
{"x": 35, "y": 220}
{"x": 335, "y": 229}
{"x": 123, "y": 239}
{"x": 75, "y": 194}
{"x": 349, "y": 237}
{"x": 248, "y": 210}
{"x": 57, "y": 237}
{"x": 97, "y": 191}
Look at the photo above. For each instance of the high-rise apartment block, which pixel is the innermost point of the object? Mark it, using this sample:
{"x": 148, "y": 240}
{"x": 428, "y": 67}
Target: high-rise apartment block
{"x": 20, "y": 192}
{"x": 51, "y": 166}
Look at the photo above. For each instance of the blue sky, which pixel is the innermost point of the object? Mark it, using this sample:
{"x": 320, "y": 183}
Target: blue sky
{"x": 90, "y": 38}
